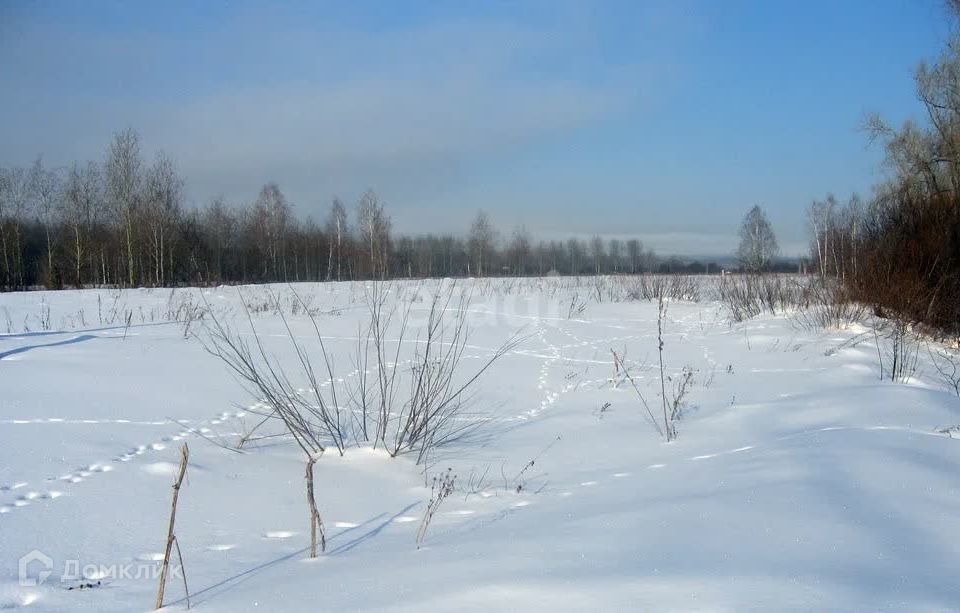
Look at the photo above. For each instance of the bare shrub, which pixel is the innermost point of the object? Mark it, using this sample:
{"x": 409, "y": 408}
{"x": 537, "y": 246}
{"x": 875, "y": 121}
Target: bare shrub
{"x": 622, "y": 369}
{"x": 576, "y": 307}
{"x": 412, "y": 406}
{"x": 673, "y": 405}
{"x": 669, "y": 429}
{"x": 902, "y": 349}
{"x": 424, "y": 407}
{"x": 311, "y": 416}
{"x": 747, "y": 296}
{"x": 673, "y": 287}
{"x": 947, "y": 365}
{"x": 830, "y": 306}
{"x": 738, "y": 295}
{"x": 680, "y": 385}
{"x": 441, "y": 488}
{"x": 519, "y": 482}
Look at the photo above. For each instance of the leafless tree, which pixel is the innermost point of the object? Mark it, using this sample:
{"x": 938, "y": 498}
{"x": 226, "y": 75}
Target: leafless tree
{"x": 46, "y": 190}
{"x": 374, "y": 226}
{"x": 481, "y": 241}
{"x": 615, "y": 251}
{"x": 17, "y": 206}
{"x": 634, "y": 254}
{"x": 336, "y": 230}
{"x": 272, "y": 217}
{"x": 123, "y": 186}
{"x": 162, "y": 198}
{"x": 520, "y": 249}
{"x": 222, "y": 229}
{"x": 575, "y": 254}
{"x": 83, "y": 194}
{"x": 820, "y": 215}
{"x": 758, "y": 244}
{"x": 3, "y": 227}
{"x": 596, "y": 252}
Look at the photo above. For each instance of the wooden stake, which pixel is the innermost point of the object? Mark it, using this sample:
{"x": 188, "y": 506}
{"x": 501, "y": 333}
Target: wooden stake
{"x": 183, "y": 572}
{"x": 184, "y": 455}
{"x": 315, "y": 521}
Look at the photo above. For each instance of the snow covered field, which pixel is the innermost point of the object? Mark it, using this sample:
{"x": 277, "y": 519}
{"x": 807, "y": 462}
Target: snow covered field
{"x": 799, "y": 480}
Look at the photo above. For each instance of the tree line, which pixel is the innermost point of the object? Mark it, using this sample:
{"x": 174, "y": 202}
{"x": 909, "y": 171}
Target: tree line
{"x": 123, "y": 222}
{"x": 899, "y": 250}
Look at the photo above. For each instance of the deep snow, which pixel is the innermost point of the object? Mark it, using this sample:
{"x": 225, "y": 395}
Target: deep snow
{"x": 799, "y": 479}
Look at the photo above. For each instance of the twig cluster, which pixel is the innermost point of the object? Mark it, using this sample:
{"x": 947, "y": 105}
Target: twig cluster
{"x": 440, "y": 489}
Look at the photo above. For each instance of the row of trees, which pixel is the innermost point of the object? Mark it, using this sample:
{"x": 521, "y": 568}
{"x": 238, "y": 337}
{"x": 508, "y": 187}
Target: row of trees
{"x": 900, "y": 250}
{"x": 124, "y": 222}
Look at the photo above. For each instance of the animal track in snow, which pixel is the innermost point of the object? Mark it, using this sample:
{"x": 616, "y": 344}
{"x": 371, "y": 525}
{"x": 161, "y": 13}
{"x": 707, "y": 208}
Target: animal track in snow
{"x": 61, "y": 420}
{"x": 81, "y": 474}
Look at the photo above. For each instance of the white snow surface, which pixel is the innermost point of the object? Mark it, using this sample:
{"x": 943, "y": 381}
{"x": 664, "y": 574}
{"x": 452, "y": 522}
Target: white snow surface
{"x": 799, "y": 480}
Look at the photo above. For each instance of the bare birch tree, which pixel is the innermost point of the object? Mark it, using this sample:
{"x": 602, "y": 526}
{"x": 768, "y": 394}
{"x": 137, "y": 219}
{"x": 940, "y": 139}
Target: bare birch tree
{"x": 481, "y": 242}
{"x": 758, "y": 244}
{"x": 336, "y": 230}
{"x": 162, "y": 198}
{"x": 123, "y": 180}
{"x": 374, "y": 226}
{"x": 83, "y": 193}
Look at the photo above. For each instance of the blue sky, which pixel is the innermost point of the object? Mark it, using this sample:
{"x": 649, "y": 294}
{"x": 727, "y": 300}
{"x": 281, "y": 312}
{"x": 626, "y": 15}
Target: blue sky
{"x": 664, "y": 120}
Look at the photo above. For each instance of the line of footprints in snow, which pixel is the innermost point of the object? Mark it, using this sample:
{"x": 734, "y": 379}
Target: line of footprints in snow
{"x": 29, "y": 496}
{"x": 79, "y": 475}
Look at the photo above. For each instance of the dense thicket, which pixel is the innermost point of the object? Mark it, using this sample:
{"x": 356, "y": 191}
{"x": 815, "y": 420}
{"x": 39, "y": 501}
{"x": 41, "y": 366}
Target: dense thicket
{"x": 900, "y": 250}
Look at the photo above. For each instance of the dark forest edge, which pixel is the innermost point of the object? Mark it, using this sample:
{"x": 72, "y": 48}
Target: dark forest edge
{"x": 123, "y": 223}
